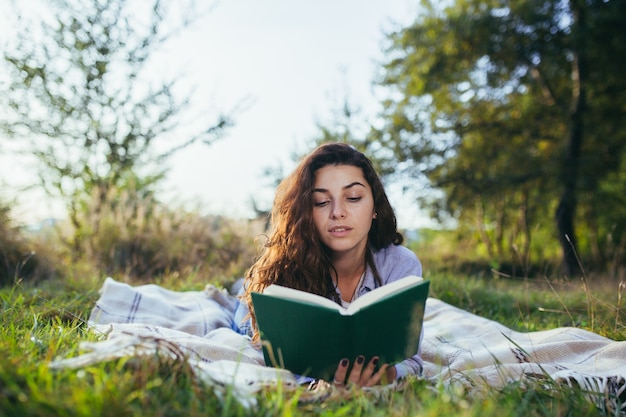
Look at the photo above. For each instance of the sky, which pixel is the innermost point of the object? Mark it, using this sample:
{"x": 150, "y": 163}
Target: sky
{"x": 288, "y": 62}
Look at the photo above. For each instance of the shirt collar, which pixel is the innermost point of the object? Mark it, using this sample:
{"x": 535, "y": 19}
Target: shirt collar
{"x": 368, "y": 283}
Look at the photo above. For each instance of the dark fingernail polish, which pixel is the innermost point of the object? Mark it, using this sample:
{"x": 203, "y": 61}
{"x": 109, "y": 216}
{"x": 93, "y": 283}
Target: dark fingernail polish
{"x": 375, "y": 361}
{"x": 344, "y": 362}
{"x": 360, "y": 359}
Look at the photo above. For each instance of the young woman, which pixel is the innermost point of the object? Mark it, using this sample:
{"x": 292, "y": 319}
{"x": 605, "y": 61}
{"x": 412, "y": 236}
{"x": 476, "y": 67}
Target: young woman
{"x": 334, "y": 234}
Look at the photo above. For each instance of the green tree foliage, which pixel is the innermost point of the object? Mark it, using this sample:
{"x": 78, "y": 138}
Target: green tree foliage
{"x": 514, "y": 111}
{"x": 348, "y": 124}
{"x": 81, "y": 94}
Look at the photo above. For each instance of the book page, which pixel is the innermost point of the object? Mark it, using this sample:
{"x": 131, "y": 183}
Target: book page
{"x": 380, "y": 292}
{"x": 364, "y": 300}
{"x": 305, "y": 297}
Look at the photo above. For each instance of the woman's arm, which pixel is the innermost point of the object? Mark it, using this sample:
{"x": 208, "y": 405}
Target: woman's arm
{"x": 393, "y": 263}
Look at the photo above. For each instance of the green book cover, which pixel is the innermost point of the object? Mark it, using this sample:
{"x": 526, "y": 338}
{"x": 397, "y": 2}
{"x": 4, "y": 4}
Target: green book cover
{"x": 309, "y": 334}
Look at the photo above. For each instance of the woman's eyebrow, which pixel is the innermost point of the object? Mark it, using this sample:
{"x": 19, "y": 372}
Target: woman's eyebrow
{"x": 353, "y": 184}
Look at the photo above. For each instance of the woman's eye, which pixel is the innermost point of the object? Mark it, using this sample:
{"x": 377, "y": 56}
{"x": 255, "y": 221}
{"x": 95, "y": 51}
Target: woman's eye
{"x": 354, "y": 198}
{"x": 320, "y": 203}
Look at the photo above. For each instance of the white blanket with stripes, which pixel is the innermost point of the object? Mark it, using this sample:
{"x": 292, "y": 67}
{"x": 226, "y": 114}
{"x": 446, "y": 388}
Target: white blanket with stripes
{"x": 458, "y": 347}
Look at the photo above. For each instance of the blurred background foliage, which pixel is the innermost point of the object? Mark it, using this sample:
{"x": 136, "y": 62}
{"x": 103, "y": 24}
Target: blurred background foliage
{"x": 503, "y": 118}
{"x": 511, "y": 115}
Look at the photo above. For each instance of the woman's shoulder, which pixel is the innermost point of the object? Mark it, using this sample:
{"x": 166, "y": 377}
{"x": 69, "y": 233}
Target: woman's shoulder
{"x": 397, "y": 252}
{"x": 396, "y": 261}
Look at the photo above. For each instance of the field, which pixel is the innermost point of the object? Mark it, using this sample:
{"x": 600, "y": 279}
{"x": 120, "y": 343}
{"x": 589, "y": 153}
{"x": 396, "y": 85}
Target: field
{"x": 46, "y": 321}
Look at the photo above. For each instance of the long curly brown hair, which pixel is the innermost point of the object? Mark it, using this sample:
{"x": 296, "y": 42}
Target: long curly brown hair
{"x": 293, "y": 254}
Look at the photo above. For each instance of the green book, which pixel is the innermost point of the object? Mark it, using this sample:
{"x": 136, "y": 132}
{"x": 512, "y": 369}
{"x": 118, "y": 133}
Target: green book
{"x": 309, "y": 334}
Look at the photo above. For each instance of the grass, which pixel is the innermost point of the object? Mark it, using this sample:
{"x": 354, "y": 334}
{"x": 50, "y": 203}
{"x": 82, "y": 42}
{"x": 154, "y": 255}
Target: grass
{"x": 39, "y": 323}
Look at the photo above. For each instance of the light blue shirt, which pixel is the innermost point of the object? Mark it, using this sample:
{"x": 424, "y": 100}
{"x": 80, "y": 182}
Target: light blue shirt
{"x": 393, "y": 262}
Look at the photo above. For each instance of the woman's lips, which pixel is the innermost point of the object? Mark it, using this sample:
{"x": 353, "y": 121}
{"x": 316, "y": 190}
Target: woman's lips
{"x": 339, "y": 230}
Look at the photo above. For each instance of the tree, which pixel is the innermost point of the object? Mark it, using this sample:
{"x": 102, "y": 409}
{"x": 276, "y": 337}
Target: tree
{"x": 513, "y": 109}
{"x": 81, "y": 96}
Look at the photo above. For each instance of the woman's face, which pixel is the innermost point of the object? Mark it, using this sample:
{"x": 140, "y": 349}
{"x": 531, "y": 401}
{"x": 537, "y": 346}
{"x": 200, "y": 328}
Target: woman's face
{"x": 343, "y": 208}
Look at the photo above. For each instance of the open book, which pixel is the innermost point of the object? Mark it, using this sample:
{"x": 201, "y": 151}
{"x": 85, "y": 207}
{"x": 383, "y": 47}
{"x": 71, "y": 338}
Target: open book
{"x": 309, "y": 334}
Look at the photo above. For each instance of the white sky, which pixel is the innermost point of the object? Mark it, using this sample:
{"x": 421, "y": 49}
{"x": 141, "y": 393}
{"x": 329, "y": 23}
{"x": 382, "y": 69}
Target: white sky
{"x": 291, "y": 61}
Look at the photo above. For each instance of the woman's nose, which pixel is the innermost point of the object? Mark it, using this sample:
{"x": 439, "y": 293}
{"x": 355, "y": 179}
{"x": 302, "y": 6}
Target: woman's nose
{"x": 338, "y": 211}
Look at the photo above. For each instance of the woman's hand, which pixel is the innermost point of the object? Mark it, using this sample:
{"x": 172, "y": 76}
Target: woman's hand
{"x": 363, "y": 375}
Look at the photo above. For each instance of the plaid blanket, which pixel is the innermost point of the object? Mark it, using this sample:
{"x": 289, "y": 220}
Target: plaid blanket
{"x": 458, "y": 347}
{"x": 463, "y": 348}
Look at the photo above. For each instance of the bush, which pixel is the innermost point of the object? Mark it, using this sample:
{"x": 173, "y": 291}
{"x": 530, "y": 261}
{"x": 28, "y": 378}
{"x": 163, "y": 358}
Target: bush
{"x": 141, "y": 238}
{"x": 19, "y": 259}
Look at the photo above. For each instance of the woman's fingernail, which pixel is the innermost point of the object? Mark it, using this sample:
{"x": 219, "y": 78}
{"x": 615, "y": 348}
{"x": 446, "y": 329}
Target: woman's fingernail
{"x": 360, "y": 359}
{"x": 344, "y": 362}
{"x": 375, "y": 361}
